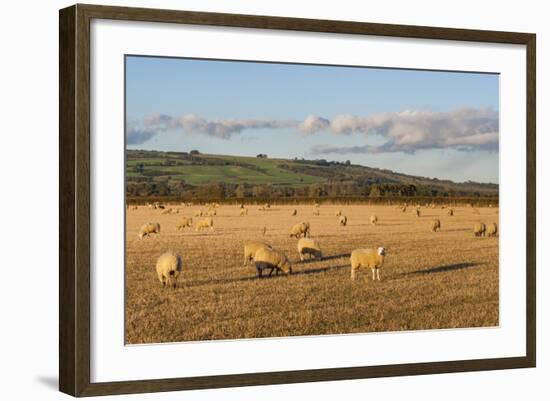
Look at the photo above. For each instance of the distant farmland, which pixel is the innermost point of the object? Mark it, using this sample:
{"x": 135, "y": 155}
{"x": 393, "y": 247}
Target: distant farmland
{"x": 194, "y": 176}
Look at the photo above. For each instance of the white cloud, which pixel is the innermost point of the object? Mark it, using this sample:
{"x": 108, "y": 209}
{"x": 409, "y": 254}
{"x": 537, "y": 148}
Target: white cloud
{"x": 406, "y": 131}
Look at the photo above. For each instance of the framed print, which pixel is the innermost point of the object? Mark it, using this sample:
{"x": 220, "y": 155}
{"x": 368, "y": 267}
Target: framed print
{"x": 250, "y": 200}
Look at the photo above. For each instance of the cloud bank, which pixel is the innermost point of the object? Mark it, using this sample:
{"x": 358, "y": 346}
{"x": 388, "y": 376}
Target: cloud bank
{"x": 407, "y": 131}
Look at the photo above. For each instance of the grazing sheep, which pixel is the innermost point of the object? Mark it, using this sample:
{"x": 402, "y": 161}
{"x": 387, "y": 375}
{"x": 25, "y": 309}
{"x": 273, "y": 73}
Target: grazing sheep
{"x": 198, "y": 213}
{"x": 492, "y": 230}
{"x": 211, "y": 213}
{"x": 134, "y": 207}
{"x": 367, "y": 258}
{"x": 244, "y": 212}
{"x": 435, "y": 225}
{"x": 148, "y": 229}
{"x": 450, "y": 212}
{"x": 169, "y": 266}
{"x": 373, "y": 219}
{"x": 250, "y": 249}
{"x": 204, "y": 224}
{"x": 167, "y": 211}
{"x": 300, "y": 229}
{"x": 417, "y": 212}
{"x": 294, "y": 212}
{"x": 479, "y": 229}
{"x": 309, "y": 246}
{"x": 159, "y": 206}
{"x": 270, "y": 259}
{"x": 184, "y": 223}
{"x": 338, "y": 213}
{"x": 343, "y": 220}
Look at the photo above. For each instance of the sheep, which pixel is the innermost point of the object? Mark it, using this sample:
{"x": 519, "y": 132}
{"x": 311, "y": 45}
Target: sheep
{"x": 492, "y": 230}
{"x": 435, "y": 225}
{"x": 417, "y": 212}
{"x": 317, "y": 204}
{"x": 309, "y": 246}
{"x": 167, "y": 211}
{"x": 479, "y": 229}
{"x": 343, "y": 220}
{"x": 367, "y": 258}
{"x": 300, "y": 229}
{"x": 185, "y": 222}
{"x": 243, "y": 212}
{"x": 198, "y": 213}
{"x": 204, "y": 224}
{"x": 450, "y": 212}
{"x": 241, "y": 206}
{"x": 250, "y": 249}
{"x": 148, "y": 229}
{"x": 160, "y": 206}
{"x": 373, "y": 219}
{"x": 270, "y": 259}
{"x": 338, "y": 213}
{"x": 211, "y": 213}
{"x": 294, "y": 212}
{"x": 316, "y": 212}
{"x": 169, "y": 267}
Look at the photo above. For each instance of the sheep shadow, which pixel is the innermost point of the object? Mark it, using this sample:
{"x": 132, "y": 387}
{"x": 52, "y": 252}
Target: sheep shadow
{"x": 324, "y": 258}
{"x": 442, "y": 269}
{"x": 197, "y": 283}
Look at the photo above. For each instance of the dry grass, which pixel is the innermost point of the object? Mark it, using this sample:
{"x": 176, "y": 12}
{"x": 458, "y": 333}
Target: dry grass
{"x": 447, "y": 279}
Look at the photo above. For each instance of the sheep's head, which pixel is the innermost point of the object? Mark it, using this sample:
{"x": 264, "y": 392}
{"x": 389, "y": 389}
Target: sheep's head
{"x": 286, "y": 266}
{"x": 382, "y": 251}
{"x": 172, "y": 278}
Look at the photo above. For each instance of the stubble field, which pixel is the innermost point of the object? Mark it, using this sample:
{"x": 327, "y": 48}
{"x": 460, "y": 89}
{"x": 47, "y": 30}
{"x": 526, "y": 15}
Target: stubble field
{"x": 446, "y": 279}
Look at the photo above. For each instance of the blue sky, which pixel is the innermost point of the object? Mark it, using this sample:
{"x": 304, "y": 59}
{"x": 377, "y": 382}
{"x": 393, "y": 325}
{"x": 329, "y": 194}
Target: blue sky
{"x": 429, "y": 123}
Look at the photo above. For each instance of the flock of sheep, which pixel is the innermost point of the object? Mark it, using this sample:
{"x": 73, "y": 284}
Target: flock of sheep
{"x": 169, "y": 265}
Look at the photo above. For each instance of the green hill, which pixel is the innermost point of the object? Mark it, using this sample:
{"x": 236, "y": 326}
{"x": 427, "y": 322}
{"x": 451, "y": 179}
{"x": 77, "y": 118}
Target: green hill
{"x": 185, "y": 175}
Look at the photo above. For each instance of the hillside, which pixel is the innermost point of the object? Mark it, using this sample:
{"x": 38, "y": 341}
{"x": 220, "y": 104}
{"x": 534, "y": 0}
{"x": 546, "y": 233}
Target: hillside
{"x": 184, "y": 175}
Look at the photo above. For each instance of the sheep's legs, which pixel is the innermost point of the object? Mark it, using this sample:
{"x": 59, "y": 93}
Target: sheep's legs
{"x": 352, "y": 273}
{"x": 373, "y": 274}
{"x": 378, "y": 274}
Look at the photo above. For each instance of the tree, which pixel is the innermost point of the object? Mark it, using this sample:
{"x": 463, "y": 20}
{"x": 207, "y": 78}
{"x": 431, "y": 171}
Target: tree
{"x": 194, "y": 152}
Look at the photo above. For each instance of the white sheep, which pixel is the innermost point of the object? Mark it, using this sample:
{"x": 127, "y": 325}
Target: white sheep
{"x": 300, "y": 229}
{"x": 367, "y": 258}
{"x": 244, "y": 212}
{"x": 148, "y": 229}
{"x": 450, "y": 212}
{"x": 479, "y": 229}
{"x": 492, "y": 230}
{"x": 435, "y": 225}
{"x": 169, "y": 267}
{"x": 271, "y": 259}
{"x": 338, "y": 213}
{"x": 373, "y": 219}
{"x": 198, "y": 213}
{"x": 204, "y": 224}
{"x": 185, "y": 222}
{"x": 343, "y": 220}
{"x": 294, "y": 212}
{"x": 250, "y": 249}
{"x": 310, "y": 247}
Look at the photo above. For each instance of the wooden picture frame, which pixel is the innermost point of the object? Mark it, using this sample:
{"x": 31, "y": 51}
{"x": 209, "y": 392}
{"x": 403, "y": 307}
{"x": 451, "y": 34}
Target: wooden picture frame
{"x": 74, "y": 199}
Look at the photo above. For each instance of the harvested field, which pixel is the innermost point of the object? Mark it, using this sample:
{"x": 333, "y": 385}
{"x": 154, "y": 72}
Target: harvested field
{"x": 430, "y": 280}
